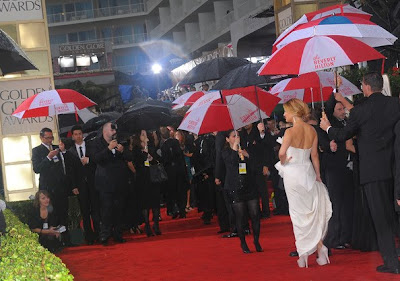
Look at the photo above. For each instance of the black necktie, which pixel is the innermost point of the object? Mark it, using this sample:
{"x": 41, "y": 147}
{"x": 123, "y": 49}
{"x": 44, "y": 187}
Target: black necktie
{"x": 81, "y": 152}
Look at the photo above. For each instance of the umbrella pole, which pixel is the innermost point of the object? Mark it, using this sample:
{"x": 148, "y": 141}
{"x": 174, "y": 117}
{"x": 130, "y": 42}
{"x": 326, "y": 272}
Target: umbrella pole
{"x": 312, "y": 98}
{"x": 220, "y": 94}
{"x": 57, "y": 123}
{"x": 258, "y": 103}
{"x": 322, "y": 101}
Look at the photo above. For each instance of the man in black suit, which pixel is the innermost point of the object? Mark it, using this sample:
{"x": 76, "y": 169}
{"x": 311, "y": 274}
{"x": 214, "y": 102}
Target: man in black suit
{"x": 373, "y": 123}
{"x": 87, "y": 194}
{"x": 55, "y": 174}
{"x": 111, "y": 181}
{"x": 339, "y": 179}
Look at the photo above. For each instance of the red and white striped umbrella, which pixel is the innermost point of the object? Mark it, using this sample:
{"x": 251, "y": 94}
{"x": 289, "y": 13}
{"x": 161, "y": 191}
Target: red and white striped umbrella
{"x": 188, "y": 99}
{"x": 343, "y": 10}
{"x": 210, "y": 114}
{"x": 50, "y": 103}
{"x": 308, "y": 87}
{"x": 364, "y": 30}
{"x": 318, "y": 53}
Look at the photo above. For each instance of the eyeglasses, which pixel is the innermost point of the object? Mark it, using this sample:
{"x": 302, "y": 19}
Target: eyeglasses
{"x": 49, "y": 138}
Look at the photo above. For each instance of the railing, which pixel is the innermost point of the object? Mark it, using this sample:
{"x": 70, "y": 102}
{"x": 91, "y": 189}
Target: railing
{"x": 95, "y": 13}
{"x": 131, "y": 69}
{"x": 115, "y": 40}
{"x": 128, "y": 39}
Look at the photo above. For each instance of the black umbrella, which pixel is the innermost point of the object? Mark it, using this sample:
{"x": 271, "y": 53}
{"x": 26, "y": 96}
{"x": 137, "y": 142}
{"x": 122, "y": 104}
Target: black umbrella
{"x": 97, "y": 122}
{"x": 12, "y": 58}
{"x": 145, "y": 115}
{"x": 212, "y": 69}
{"x": 242, "y": 76}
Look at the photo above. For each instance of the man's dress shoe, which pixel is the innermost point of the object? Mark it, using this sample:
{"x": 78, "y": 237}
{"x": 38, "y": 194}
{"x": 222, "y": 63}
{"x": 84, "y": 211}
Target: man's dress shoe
{"x": 104, "y": 241}
{"x": 119, "y": 240}
{"x": 384, "y": 269}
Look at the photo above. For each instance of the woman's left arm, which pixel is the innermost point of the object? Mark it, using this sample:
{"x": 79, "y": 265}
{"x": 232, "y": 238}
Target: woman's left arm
{"x": 287, "y": 139}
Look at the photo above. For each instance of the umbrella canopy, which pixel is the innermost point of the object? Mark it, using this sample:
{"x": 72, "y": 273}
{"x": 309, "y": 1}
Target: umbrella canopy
{"x": 356, "y": 27}
{"x": 146, "y": 115}
{"x": 212, "y": 69}
{"x": 242, "y": 76}
{"x": 97, "y": 122}
{"x": 308, "y": 87}
{"x": 12, "y": 58}
{"x": 188, "y": 99}
{"x": 50, "y": 103}
{"x": 209, "y": 114}
{"x": 318, "y": 53}
{"x": 68, "y": 120}
{"x": 328, "y": 11}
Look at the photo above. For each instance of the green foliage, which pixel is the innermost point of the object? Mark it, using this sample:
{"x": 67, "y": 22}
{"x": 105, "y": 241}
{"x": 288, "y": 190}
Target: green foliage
{"x": 394, "y": 77}
{"x": 24, "y": 211}
{"x": 355, "y": 75}
{"x": 23, "y": 258}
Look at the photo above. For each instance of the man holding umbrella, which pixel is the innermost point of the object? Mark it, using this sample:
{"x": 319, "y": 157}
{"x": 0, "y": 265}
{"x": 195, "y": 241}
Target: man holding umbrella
{"x": 373, "y": 123}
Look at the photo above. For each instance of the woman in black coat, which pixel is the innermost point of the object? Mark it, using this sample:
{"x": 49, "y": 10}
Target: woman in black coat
{"x": 149, "y": 193}
{"x": 241, "y": 189}
{"x": 44, "y": 222}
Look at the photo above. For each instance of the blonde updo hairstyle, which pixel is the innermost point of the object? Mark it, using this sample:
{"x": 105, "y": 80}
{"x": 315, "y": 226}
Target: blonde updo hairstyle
{"x": 298, "y": 108}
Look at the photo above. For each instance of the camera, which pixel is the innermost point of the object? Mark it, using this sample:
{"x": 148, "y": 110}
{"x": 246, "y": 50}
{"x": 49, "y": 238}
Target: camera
{"x": 120, "y": 140}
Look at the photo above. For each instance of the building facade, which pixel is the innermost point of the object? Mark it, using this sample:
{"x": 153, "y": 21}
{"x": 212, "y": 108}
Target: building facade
{"x": 130, "y": 35}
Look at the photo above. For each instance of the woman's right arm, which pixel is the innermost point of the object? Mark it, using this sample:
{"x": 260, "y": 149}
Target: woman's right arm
{"x": 315, "y": 158}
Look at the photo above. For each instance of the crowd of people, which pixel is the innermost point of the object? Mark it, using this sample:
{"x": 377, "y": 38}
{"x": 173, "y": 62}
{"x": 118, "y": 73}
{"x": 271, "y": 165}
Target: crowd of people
{"x": 334, "y": 177}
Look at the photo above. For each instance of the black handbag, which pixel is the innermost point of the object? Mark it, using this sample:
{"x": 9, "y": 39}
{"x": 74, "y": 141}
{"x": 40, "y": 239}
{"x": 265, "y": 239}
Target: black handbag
{"x": 158, "y": 173}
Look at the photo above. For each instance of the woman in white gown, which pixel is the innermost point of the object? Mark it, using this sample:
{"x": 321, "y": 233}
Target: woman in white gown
{"x": 309, "y": 205}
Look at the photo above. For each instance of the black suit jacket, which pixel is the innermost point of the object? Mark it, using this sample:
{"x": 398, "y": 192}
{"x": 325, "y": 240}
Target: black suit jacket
{"x": 373, "y": 123}
{"x": 52, "y": 177}
{"x": 397, "y": 166}
{"x": 111, "y": 169}
{"x": 84, "y": 173}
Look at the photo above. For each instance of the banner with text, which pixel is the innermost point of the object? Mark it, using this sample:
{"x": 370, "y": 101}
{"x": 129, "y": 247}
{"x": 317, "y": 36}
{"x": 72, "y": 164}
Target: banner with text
{"x": 12, "y": 94}
{"x": 15, "y": 10}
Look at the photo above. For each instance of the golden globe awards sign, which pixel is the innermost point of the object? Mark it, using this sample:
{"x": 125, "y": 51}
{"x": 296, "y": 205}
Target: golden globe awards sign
{"x": 12, "y": 94}
{"x": 14, "y": 10}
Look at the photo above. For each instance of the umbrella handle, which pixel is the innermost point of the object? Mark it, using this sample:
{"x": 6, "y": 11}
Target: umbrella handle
{"x": 57, "y": 123}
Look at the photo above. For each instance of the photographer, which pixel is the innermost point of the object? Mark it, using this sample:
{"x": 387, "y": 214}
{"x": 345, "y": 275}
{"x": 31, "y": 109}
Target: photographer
{"x": 111, "y": 180}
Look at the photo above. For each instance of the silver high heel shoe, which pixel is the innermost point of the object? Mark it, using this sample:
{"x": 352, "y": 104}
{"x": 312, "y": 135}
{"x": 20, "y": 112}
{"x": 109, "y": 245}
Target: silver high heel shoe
{"x": 303, "y": 261}
{"x": 323, "y": 257}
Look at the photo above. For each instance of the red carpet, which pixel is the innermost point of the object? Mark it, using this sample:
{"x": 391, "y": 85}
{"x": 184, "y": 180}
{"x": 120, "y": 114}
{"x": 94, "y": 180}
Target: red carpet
{"x": 189, "y": 250}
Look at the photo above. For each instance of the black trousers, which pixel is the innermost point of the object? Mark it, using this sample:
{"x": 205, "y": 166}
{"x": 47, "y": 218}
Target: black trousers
{"x": 90, "y": 208}
{"x": 263, "y": 194}
{"x": 176, "y": 189}
{"x": 281, "y": 202}
{"x": 222, "y": 212}
{"x": 111, "y": 214}
{"x": 59, "y": 198}
{"x": 341, "y": 192}
{"x": 381, "y": 205}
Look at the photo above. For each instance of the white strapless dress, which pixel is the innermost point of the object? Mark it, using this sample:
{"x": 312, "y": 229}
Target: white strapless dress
{"x": 309, "y": 205}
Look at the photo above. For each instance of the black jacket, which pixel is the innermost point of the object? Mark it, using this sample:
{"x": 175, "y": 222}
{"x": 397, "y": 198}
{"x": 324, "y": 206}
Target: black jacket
{"x": 84, "y": 173}
{"x": 373, "y": 123}
{"x": 52, "y": 176}
{"x": 111, "y": 169}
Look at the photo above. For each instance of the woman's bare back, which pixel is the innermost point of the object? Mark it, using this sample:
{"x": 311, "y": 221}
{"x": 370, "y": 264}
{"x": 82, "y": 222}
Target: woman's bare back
{"x": 302, "y": 136}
